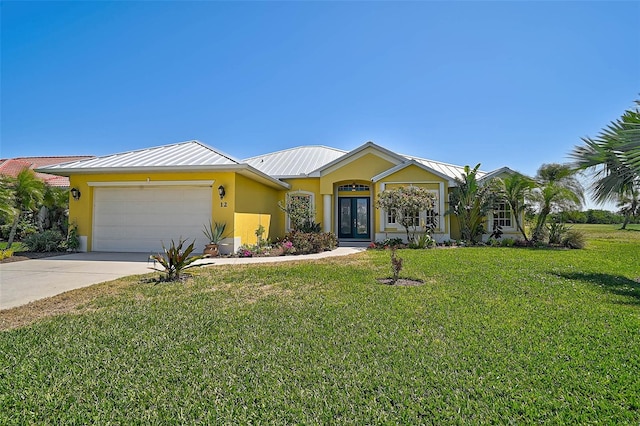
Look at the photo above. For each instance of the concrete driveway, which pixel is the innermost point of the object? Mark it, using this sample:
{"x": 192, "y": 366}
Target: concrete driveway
{"x": 29, "y": 280}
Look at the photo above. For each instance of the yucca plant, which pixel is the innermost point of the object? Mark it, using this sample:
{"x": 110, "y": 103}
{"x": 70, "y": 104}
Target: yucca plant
{"x": 215, "y": 232}
{"x": 175, "y": 260}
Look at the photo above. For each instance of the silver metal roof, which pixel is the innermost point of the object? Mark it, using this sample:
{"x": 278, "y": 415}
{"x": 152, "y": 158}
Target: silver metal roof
{"x": 450, "y": 170}
{"x": 295, "y": 161}
{"x": 190, "y": 153}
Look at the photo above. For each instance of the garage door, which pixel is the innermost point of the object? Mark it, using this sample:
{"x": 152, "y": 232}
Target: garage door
{"x": 137, "y": 219}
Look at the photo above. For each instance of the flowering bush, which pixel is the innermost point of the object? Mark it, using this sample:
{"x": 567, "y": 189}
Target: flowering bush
{"x": 311, "y": 242}
{"x": 287, "y": 247}
{"x": 245, "y": 251}
{"x": 407, "y": 202}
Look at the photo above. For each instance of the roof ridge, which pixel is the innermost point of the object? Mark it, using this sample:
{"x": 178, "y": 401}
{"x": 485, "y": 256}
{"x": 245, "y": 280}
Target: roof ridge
{"x": 293, "y": 148}
{"x": 47, "y": 156}
{"x": 217, "y": 151}
{"x": 154, "y": 148}
{"x": 413, "y": 157}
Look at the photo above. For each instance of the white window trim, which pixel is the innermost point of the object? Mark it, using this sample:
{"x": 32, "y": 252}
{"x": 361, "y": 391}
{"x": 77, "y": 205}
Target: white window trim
{"x": 312, "y": 205}
{"x": 439, "y": 207}
{"x": 511, "y": 228}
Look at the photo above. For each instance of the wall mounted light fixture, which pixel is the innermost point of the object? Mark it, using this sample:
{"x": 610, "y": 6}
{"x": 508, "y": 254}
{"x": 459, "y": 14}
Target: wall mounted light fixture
{"x": 75, "y": 193}
{"x": 221, "y": 191}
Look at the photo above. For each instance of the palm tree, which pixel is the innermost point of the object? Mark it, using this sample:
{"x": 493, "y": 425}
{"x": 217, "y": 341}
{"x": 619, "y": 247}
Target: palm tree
{"x": 629, "y": 205}
{"x": 557, "y": 189}
{"x": 514, "y": 189}
{"x": 28, "y": 193}
{"x": 470, "y": 203}
{"x": 54, "y": 210}
{"x": 7, "y": 211}
{"x": 613, "y": 157}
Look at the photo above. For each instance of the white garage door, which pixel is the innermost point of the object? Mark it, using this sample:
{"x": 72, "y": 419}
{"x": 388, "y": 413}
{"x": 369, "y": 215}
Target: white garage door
{"x": 137, "y": 219}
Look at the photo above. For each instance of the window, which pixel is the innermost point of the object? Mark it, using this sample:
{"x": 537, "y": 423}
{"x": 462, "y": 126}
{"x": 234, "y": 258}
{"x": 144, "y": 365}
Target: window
{"x": 431, "y": 219}
{"x": 414, "y": 218}
{"x": 353, "y": 187}
{"x": 426, "y": 218}
{"x": 502, "y": 216}
{"x": 300, "y": 208}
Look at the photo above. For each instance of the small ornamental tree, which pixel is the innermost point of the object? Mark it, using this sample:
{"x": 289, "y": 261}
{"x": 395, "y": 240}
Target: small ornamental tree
{"x": 300, "y": 211}
{"x": 406, "y": 203}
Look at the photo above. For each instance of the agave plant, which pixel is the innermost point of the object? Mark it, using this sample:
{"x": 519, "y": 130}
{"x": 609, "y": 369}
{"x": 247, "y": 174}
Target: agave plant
{"x": 175, "y": 260}
{"x": 215, "y": 232}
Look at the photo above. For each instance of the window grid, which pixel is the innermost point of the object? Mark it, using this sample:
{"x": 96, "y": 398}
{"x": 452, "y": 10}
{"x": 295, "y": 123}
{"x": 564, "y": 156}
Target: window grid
{"x": 502, "y": 216}
{"x": 353, "y": 187}
{"x": 430, "y": 217}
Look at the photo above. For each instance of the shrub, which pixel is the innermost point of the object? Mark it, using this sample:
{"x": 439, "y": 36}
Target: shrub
{"x": 556, "y": 232}
{"x": 72, "y": 242}
{"x": 522, "y": 243}
{"x": 310, "y": 226}
{"x": 388, "y": 243}
{"x": 574, "y": 239}
{"x": 423, "y": 241}
{"x": 287, "y": 247}
{"x": 508, "y": 242}
{"x": 245, "y": 250}
{"x": 494, "y": 243}
{"x": 311, "y": 242}
{"x": 5, "y": 254}
{"x": 175, "y": 260}
{"x": 49, "y": 240}
{"x": 256, "y": 250}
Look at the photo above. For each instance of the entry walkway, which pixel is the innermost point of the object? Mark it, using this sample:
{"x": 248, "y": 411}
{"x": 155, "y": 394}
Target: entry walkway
{"x": 29, "y": 280}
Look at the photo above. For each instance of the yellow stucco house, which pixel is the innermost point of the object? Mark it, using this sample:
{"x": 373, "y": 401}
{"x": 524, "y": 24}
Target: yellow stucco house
{"x": 132, "y": 201}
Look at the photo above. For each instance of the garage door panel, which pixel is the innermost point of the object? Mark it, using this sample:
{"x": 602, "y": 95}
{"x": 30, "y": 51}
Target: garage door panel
{"x": 138, "y": 219}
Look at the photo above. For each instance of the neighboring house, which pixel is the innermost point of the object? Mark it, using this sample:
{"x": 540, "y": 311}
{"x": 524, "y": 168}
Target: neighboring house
{"x": 131, "y": 201}
{"x": 13, "y": 166}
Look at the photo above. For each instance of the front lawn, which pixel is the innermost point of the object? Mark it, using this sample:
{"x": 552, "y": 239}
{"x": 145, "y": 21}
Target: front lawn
{"x": 495, "y": 335}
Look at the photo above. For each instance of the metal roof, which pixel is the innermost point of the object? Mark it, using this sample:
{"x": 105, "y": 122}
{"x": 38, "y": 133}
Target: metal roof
{"x": 190, "y": 153}
{"x": 450, "y": 170}
{"x": 295, "y": 161}
{"x": 194, "y": 155}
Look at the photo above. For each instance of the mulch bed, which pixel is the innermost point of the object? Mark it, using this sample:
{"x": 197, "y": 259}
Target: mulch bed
{"x": 401, "y": 282}
{"x": 26, "y": 255}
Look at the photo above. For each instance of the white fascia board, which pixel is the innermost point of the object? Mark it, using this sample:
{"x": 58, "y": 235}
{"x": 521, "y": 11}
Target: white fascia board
{"x": 497, "y": 172}
{"x": 243, "y": 169}
{"x": 257, "y": 175}
{"x": 153, "y": 183}
{"x": 359, "y": 152}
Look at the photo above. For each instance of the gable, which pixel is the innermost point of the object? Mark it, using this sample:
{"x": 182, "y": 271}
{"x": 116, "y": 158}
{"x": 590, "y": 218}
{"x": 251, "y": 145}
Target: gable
{"x": 363, "y": 168}
{"x": 411, "y": 173}
{"x": 368, "y": 148}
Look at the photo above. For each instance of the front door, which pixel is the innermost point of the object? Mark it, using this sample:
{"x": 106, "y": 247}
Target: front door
{"x": 354, "y": 215}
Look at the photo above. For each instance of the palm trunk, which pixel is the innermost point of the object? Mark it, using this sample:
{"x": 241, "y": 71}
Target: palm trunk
{"x": 627, "y": 217}
{"x": 542, "y": 218}
{"x": 14, "y": 228}
{"x": 521, "y": 229}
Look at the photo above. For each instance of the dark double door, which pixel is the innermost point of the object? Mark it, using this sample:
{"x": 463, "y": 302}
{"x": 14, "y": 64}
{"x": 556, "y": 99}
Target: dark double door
{"x": 355, "y": 217}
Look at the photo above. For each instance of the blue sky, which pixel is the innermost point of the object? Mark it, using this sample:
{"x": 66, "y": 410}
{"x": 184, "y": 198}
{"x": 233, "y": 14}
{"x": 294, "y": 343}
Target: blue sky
{"x": 500, "y": 83}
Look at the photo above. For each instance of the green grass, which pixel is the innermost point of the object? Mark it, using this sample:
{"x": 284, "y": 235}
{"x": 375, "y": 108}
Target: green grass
{"x": 495, "y": 335}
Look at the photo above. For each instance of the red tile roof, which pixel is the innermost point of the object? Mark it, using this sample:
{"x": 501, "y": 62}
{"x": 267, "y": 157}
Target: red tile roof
{"x": 13, "y": 166}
